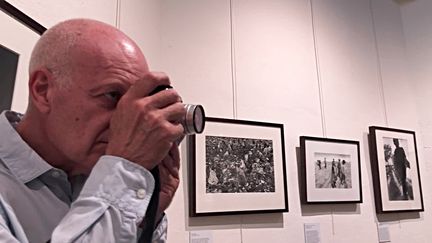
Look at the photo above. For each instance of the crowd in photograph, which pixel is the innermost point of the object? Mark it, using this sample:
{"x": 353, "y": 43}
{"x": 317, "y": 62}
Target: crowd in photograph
{"x": 238, "y": 165}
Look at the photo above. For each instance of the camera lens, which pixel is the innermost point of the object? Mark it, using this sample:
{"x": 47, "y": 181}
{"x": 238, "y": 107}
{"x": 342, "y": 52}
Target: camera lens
{"x": 194, "y": 120}
{"x": 199, "y": 118}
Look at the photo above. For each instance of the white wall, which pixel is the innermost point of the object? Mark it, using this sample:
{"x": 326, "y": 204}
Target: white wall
{"x": 416, "y": 19}
{"x": 363, "y": 78}
{"x": 140, "y": 19}
{"x": 360, "y": 75}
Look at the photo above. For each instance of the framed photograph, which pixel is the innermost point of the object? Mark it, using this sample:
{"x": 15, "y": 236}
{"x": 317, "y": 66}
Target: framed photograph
{"x": 237, "y": 167}
{"x": 395, "y": 170}
{"x": 331, "y": 170}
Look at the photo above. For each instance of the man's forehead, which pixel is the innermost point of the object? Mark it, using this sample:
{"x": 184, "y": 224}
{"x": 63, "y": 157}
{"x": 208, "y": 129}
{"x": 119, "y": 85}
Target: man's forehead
{"x": 103, "y": 55}
{"x": 110, "y": 62}
{"x": 105, "y": 76}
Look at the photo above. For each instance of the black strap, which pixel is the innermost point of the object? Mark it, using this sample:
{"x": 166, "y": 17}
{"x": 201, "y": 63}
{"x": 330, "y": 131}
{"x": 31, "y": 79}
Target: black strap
{"x": 150, "y": 217}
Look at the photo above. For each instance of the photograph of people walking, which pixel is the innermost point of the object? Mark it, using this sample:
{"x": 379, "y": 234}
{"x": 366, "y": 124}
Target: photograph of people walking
{"x": 332, "y": 170}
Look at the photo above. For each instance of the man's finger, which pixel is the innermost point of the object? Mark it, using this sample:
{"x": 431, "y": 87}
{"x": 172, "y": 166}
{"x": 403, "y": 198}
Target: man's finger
{"x": 175, "y": 155}
{"x": 164, "y": 98}
{"x": 172, "y": 162}
{"x": 144, "y": 86}
{"x": 174, "y": 113}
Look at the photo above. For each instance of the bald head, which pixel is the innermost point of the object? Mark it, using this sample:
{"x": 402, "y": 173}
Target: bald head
{"x": 62, "y": 46}
{"x": 79, "y": 70}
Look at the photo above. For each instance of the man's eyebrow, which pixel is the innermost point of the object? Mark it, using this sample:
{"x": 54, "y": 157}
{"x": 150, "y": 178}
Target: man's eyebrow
{"x": 118, "y": 86}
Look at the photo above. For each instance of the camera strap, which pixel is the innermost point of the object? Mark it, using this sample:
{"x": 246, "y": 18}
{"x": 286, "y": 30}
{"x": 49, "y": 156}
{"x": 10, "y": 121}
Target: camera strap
{"x": 150, "y": 217}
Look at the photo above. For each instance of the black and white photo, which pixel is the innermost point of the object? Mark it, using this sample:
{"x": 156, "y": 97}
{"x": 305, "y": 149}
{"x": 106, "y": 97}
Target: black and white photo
{"x": 331, "y": 170}
{"x": 398, "y": 168}
{"x": 237, "y": 167}
{"x": 396, "y": 175}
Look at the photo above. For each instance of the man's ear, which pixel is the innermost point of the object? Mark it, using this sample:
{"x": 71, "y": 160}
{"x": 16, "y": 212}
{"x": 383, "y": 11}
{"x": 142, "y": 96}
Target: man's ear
{"x": 40, "y": 88}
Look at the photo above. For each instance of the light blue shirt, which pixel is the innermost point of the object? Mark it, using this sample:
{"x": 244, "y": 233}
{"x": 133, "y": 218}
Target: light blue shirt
{"x": 38, "y": 203}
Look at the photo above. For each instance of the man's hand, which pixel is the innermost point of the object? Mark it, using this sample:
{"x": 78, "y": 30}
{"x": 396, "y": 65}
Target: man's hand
{"x": 144, "y": 128}
{"x": 169, "y": 179}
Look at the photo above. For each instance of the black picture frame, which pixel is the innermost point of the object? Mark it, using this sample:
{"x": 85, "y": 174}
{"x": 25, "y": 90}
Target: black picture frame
{"x": 331, "y": 170}
{"x": 237, "y": 167}
{"x": 395, "y": 170}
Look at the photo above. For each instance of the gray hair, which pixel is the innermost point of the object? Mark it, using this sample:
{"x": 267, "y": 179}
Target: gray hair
{"x": 54, "y": 49}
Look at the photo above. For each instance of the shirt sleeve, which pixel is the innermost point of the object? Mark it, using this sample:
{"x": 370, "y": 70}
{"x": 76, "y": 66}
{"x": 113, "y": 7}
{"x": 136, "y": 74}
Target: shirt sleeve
{"x": 5, "y": 232}
{"x": 111, "y": 205}
{"x": 160, "y": 233}
{"x": 10, "y": 229}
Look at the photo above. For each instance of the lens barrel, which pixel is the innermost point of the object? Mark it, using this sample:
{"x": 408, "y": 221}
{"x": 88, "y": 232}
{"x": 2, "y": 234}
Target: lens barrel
{"x": 194, "y": 120}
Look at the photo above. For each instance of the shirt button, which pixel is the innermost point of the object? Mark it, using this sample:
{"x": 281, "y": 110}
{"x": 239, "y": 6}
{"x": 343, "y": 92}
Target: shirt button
{"x": 55, "y": 173}
{"x": 140, "y": 193}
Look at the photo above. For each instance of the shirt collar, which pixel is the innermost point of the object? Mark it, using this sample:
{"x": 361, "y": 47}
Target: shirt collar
{"x": 15, "y": 153}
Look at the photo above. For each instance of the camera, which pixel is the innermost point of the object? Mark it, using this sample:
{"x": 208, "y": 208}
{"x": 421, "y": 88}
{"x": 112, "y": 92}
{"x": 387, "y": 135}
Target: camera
{"x": 194, "y": 120}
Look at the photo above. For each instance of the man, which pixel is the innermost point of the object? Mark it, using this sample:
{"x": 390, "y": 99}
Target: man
{"x": 75, "y": 167}
{"x": 400, "y": 164}
{"x": 333, "y": 178}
